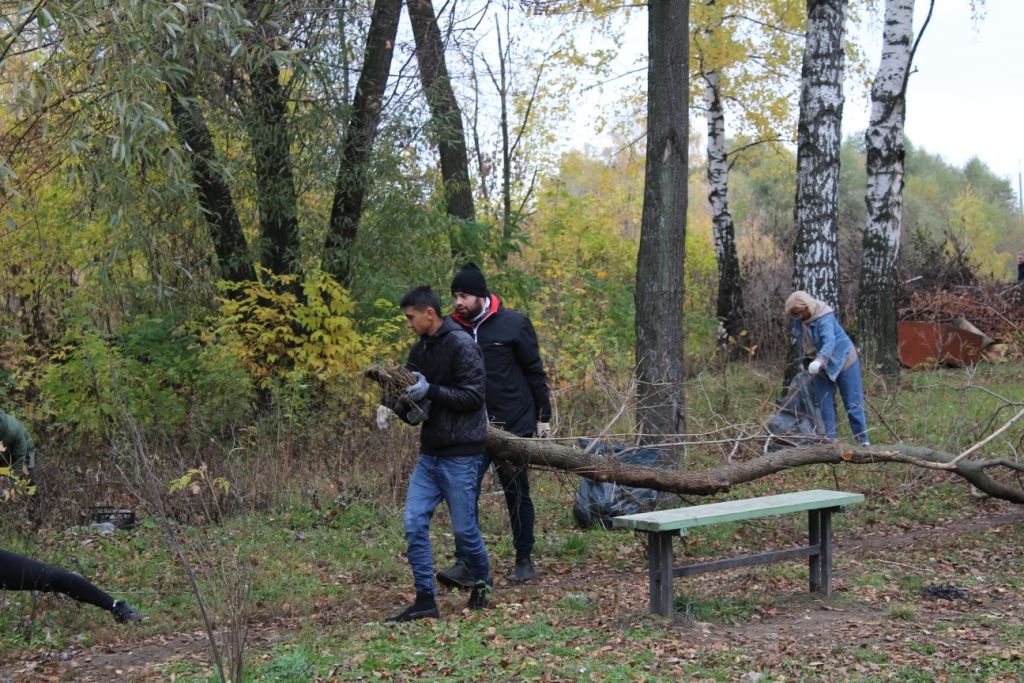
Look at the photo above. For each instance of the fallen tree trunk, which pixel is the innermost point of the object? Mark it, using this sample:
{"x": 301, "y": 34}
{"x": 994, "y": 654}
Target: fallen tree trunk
{"x": 502, "y": 446}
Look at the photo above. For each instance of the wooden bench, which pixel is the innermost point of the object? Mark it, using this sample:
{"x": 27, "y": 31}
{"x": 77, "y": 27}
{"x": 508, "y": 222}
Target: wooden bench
{"x": 661, "y": 526}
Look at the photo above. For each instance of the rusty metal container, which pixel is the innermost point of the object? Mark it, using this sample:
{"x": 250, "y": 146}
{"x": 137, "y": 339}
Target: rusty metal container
{"x": 925, "y": 345}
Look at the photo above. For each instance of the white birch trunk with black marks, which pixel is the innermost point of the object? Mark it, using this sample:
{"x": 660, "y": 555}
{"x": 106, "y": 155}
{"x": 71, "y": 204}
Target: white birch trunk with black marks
{"x": 659, "y": 274}
{"x": 819, "y": 136}
{"x": 730, "y": 289}
{"x": 876, "y": 301}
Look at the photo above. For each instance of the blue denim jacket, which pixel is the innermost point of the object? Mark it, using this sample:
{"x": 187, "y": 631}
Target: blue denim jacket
{"x": 831, "y": 341}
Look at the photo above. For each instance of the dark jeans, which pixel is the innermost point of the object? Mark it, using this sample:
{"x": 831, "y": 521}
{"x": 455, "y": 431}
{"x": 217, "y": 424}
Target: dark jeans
{"x": 454, "y": 480}
{"x": 516, "y": 484}
{"x": 19, "y": 573}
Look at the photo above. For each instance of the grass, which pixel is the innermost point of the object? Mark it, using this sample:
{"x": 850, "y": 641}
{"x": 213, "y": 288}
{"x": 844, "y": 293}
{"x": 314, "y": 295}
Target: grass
{"x": 326, "y": 567}
{"x": 901, "y": 612}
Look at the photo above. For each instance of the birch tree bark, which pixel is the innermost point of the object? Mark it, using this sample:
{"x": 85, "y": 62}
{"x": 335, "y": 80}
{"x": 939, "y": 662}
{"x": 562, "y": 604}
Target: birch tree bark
{"x": 352, "y": 181}
{"x": 659, "y": 273}
{"x": 730, "y": 288}
{"x": 819, "y": 136}
{"x": 876, "y": 300}
{"x": 444, "y": 109}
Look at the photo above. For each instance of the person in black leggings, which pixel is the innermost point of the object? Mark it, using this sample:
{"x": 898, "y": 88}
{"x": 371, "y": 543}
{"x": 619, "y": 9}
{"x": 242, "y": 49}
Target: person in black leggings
{"x": 19, "y": 573}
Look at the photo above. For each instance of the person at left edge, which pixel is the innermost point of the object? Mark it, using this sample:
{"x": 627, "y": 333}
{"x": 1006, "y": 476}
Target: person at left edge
{"x": 19, "y": 573}
{"x": 19, "y": 453}
{"x": 449, "y": 369}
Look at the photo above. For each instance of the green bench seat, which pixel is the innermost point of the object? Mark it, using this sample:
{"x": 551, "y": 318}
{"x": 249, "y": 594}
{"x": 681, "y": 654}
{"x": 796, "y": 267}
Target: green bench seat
{"x": 663, "y": 525}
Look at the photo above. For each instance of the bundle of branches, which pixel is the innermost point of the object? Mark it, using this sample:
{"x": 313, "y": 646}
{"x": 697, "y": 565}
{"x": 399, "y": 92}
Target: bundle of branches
{"x": 393, "y": 379}
{"x": 995, "y": 309}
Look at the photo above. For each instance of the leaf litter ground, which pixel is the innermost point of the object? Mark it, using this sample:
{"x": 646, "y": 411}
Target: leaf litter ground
{"x": 586, "y": 617}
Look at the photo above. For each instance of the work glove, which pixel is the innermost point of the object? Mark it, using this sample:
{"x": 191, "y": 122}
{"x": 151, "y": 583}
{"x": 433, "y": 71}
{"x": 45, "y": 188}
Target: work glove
{"x": 419, "y": 412}
{"x": 417, "y": 392}
{"x": 543, "y": 430}
{"x": 383, "y": 417}
{"x": 814, "y": 367}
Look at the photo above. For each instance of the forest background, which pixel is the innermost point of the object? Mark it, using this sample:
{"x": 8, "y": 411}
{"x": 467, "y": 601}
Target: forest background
{"x": 115, "y": 314}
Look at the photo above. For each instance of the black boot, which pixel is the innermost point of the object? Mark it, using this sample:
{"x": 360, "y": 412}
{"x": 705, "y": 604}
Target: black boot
{"x": 425, "y": 607}
{"x": 123, "y": 613}
{"x": 458, "y": 576}
{"x": 524, "y": 571}
{"x": 480, "y": 598}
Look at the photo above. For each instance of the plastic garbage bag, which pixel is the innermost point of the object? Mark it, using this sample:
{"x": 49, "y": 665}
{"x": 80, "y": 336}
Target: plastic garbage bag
{"x": 798, "y": 421}
{"x": 599, "y": 502}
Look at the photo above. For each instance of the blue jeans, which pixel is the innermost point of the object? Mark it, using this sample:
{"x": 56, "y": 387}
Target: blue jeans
{"x": 516, "y": 484}
{"x": 452, "y": 479}
{"x": 852, "y": 391}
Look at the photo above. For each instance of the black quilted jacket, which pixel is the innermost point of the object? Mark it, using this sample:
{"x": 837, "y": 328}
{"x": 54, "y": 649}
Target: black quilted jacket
{"x": 454, "y": 367}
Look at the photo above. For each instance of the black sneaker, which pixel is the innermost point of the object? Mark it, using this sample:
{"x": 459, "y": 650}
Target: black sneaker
{"x": 524, "y": 571}
{"x": 123, "y": 613}
{"x": 425, "y": 607}
{"x": 458, "y": 576}
{"x": 480, "y": 598}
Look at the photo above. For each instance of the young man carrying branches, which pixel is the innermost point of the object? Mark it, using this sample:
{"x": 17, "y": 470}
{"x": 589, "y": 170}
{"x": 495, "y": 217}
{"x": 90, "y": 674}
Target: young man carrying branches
{"x": 448, "y": 400}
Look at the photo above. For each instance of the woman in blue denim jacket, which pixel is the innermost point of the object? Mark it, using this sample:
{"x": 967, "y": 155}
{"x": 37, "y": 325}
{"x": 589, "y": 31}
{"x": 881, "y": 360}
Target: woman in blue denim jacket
{"x": 834, "y": 362}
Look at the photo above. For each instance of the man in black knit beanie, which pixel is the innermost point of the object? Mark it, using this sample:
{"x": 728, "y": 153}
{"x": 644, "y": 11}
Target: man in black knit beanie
{"x": 518, "y": 401}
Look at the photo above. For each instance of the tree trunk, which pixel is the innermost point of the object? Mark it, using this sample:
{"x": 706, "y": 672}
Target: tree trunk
{"x": 876, "y": 301}
{"x": 270, "y": 134}
{"x": 730, "y": 288}
{"x": 503, "y": 446}
{"x": 353, "y": 177}
{"x": 444, "y": 109}
{"x": 815, "y": 243}
{"x": 659, "y": 273}
{"x": 215, "y": 199}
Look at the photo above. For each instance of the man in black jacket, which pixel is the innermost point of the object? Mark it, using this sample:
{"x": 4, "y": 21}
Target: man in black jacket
{"x": 448, "y": 398}
{"x": 517, "y": 401}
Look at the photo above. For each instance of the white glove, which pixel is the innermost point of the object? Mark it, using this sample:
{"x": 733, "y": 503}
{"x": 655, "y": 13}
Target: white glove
{"x": 544, "y": 430}
{"x": 383, "y": 417}
{"x": 814, "y": 367}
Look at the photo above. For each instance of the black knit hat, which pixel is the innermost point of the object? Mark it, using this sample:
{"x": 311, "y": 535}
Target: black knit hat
{"x": 470, "y": 280}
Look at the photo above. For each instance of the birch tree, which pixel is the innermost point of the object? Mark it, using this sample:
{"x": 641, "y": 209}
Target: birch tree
{"x": 816, "y": 210}
{"x": 876, "y": 301}
{"x": 746, "y": 55}
{"x": 729, "y": 308}
{"x": 659, "y": 273}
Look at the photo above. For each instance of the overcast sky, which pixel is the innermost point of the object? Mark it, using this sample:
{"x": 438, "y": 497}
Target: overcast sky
{"x": 966, "y": 98}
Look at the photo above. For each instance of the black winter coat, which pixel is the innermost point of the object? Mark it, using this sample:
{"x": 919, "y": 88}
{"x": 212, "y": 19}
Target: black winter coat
{"x": 517, "y": 386}
{"x": 454, "y": 368}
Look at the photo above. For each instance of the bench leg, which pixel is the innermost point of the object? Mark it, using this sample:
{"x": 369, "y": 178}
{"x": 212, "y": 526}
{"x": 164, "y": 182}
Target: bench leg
{"x": 819, "y": 533}
{"x": 826, "y": 552}
{"x": 659, "y": 569}
{"x": 813, "y": 539}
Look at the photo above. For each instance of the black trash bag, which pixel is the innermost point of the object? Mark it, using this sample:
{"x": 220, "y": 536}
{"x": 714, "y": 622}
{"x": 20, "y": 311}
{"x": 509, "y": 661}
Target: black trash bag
{"x": 798, "y": 421}
{"x": 598, "y": 502}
